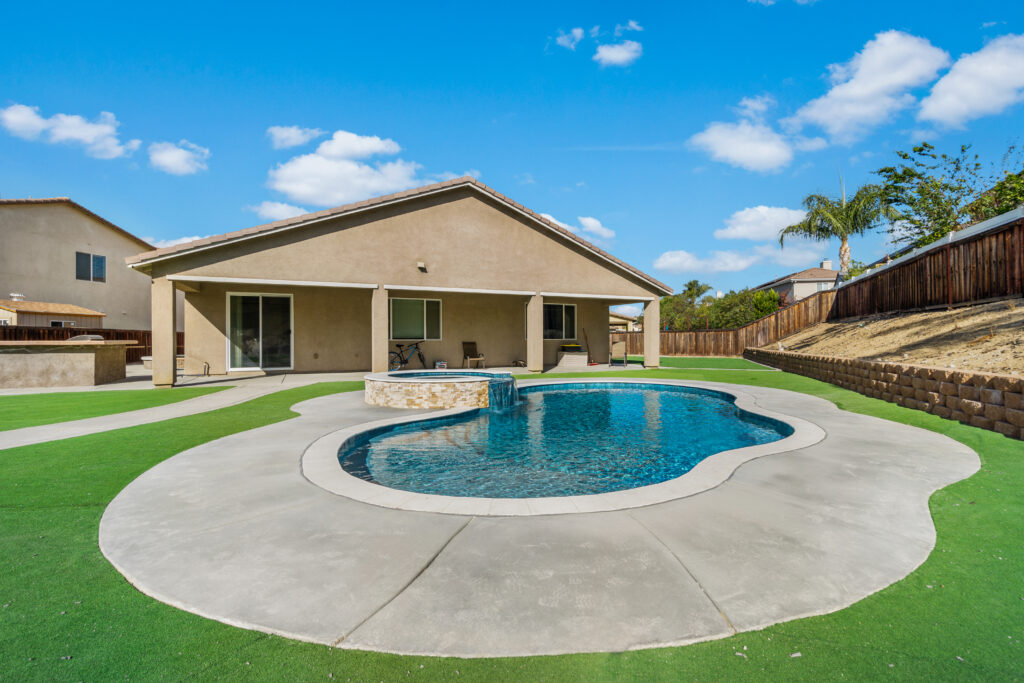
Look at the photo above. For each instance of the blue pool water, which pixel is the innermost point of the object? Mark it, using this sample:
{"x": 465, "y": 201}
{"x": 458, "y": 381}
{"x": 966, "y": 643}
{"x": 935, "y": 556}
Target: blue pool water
{"x": 561, "y": 440}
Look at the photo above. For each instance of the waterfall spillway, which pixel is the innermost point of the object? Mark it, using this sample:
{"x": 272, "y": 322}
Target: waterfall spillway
{"x": 502, "y": 393}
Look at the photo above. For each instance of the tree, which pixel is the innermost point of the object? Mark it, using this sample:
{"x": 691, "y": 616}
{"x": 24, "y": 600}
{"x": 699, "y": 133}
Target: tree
{"x": 679, "y": 311}
{"x": 1005, "y": 195}
{"x": 840, "y": 218}
{"x": 766, "y": 302}
{"x": 930, "y": 193}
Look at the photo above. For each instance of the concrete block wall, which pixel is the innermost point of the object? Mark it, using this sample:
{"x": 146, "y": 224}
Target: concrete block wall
{"x": 981, "y": 399}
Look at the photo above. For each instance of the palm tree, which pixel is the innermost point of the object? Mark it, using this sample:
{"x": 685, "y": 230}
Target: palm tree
{"x": 829, "y": 217}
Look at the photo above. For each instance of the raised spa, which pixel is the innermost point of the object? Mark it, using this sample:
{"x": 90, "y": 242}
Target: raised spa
{"x": 560, "y": 440}
{"x": 440, "y": 389}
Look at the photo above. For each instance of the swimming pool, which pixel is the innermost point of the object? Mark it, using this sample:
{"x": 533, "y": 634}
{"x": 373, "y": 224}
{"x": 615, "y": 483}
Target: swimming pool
{"x": 561, "y": 440}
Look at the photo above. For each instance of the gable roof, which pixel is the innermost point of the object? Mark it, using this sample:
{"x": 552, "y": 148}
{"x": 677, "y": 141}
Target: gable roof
{"x": 79, "y": 207}
{"x": 356, "y": 207}
{"x": 47, "y": 308}
{"x": 812, "y": 274}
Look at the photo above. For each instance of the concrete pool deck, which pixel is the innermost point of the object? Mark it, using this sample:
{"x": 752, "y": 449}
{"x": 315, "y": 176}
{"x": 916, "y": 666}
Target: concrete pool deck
{"x": 233, "y": 531}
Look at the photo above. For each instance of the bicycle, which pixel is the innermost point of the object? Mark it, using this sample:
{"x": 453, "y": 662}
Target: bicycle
{"x": 397, "y": 360}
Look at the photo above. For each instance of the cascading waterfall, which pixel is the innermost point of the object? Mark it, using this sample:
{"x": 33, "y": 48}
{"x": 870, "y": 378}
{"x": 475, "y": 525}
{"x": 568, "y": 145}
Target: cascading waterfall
{"x": 502, "y": 393}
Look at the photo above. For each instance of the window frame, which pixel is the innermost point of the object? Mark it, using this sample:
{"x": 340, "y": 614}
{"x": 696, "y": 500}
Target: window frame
{"x": 575, "y": 320}
{"x": 440, "y": 319}
{"x": 62, "y": 323}
{"x": 91, "y": 267}
{"x": 227, "y": 330}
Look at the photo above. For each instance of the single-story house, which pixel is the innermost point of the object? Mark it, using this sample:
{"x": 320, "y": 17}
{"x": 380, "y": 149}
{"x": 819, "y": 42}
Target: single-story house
{"x": 622, "y": 322}
{"x": 54, "y": 249}
{"x": 45, "y": 314}
{"x": 335, "y": 290}
{"x": 802, "y": 284}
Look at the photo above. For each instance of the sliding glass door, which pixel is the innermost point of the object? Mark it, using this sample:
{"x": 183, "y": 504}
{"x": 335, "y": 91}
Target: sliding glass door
{"x": 259, "y": 331}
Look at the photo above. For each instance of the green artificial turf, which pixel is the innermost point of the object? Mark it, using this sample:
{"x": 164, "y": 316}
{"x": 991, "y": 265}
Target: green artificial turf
{"x": 703, "y": 362}
{"x": 32, "y": 410}
{"x": 66, "y": 614}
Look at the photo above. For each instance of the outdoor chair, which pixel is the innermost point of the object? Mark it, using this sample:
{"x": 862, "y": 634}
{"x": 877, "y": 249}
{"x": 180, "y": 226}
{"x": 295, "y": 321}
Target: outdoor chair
{"x": 470, "y": 354}
{"x": 618, "y": 351}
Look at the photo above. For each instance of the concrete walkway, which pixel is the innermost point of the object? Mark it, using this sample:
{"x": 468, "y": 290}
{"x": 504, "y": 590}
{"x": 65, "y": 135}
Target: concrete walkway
{"x": 232, "y": 531}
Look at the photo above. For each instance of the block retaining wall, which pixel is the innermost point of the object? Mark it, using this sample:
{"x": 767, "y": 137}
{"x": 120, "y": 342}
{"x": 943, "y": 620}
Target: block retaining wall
{"x": 980, "y": 399}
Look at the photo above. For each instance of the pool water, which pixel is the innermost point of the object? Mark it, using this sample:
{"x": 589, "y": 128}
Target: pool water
{"x": 560, "y": 440}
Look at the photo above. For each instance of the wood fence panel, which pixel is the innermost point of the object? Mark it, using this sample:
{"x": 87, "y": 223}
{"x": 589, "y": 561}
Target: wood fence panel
{"x": 143, "y": 338}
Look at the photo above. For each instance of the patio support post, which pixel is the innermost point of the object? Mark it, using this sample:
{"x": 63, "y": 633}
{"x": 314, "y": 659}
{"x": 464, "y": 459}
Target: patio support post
{"x": 535, "y": 334}
{"x": 165, "y": 332}
{"x": 379, "y": 330}
{"x": 652, "y": 333}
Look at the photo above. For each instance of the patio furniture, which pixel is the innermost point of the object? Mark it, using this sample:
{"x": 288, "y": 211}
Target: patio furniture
{"x": 618, "y": 350}
{"x": 470, "y": 354}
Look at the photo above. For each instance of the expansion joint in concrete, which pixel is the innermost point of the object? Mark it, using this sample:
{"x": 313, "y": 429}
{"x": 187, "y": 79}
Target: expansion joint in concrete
{"x": 425, "y": 567}
{"x": 686, "y": 569}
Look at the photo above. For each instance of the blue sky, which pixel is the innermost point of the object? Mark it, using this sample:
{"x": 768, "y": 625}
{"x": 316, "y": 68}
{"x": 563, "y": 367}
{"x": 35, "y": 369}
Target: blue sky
{"x": 647, "y": 129}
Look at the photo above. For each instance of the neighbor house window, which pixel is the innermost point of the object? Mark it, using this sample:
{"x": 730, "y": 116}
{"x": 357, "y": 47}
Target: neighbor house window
{"x": 62, "y": 323}
{"x": 416, "y": 319}
{"x": 822, "y": 286}
{"x": 5, "y": 323}
{"x": 90, "y": 267}
{"x": 559, "y": 321}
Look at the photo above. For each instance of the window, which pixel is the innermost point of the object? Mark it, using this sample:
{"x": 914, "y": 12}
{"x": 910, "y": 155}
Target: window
{"x": 90, "y": 267}
{"x": 4, "y": 322}
{"x": 99, "y": 268}
{"x": 415, "y": 319}
{"x": 259, "y": 331}
{"x": 83, "y": 266}
{"x": 559, "y": 321}
{"x": 822, "y": 286}
{"x": 62, "y": 323}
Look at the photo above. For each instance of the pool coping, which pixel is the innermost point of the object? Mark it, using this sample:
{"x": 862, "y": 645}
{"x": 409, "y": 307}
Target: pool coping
{"x": 319, "y": 465}
{"x": 450, "y": 375}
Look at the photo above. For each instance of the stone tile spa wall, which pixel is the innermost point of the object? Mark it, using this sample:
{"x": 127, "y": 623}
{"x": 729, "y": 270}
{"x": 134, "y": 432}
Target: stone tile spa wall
{"x": 976, "y": 398}
{"x": 433, "y": 395}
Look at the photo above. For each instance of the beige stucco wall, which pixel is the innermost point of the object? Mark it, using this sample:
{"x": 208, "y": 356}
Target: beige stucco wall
{"x": 463, "y": 239}
{"x": 37, "y": 259}
{"x": 60, "y": 366}
{"x": 332, "y": 327}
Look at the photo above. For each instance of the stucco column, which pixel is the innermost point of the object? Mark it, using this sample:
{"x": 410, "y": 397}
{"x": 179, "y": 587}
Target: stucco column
{"x": 165, "y": 337}
{"x": 379, "y": 330}
{"x": 535, "y": 334}
{"x": 652, "y": 333}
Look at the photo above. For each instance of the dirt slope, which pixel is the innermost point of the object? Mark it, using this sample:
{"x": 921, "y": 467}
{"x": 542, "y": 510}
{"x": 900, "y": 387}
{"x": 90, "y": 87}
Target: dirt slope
{"x": 989, "y": 337}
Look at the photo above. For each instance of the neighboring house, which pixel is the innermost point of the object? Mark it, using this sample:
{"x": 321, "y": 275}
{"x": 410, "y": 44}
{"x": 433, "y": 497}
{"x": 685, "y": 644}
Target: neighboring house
{"x": 337, "y": 289}
{"x": 621, "y": 322}
{"x": 56, "y": 250}
{"x": 43, "y": 314}
{"x": 800, "y": 285}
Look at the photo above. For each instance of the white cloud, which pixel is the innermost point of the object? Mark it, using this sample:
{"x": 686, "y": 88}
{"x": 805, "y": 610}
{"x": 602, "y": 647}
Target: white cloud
{"x": 276, "y": 211}
{"x": 809, "y": 144}
{"x": 589, "y": 227}
{"x": 755, "y": 107}
{"x": 346, "y": 145}
{"x": 629, "y": 309}
{"x": 872, "y": 86}
{"x": 160, "y": 244}
{"x": 571, "y": 39}
{"x": 526, "y": 179}
{"x": 99, "y": 137}
{"x": 679, "y": 262}
{"x": 592, "y": 226}
{"x": 747, "y": 144}
{"x": 630, "y": 25}
{"x": 183, "y": 158}
{"x": 282, "y": 137}
{"x": 332, "y": 175}
{"x": 759, "y": 223}
{"x": 594, "y": 31}
{"x": 979, "y": 84}
{"x": 619, "y": 54}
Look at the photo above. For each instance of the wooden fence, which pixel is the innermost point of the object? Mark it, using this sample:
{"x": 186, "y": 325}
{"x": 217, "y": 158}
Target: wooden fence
{"x": 810, "y": 311}
{"x": 968, "y": 268}
{"x": 143, "y": 347}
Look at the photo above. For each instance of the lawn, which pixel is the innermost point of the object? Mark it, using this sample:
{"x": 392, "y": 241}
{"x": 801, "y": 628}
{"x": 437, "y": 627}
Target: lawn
{"x": 66, "y": 614}
{"x": 31, "y": 410}
{"x": 703, "y": 362}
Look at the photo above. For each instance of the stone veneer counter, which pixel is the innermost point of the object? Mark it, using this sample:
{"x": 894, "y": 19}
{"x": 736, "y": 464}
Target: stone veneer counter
{"x": 62, "y": 363}
{"x": 428, "y": 390}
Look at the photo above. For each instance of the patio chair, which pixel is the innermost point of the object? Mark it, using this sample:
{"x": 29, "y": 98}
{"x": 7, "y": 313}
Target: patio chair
{"x": 618, "y": 350}
{"x": 470, "y": 354}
